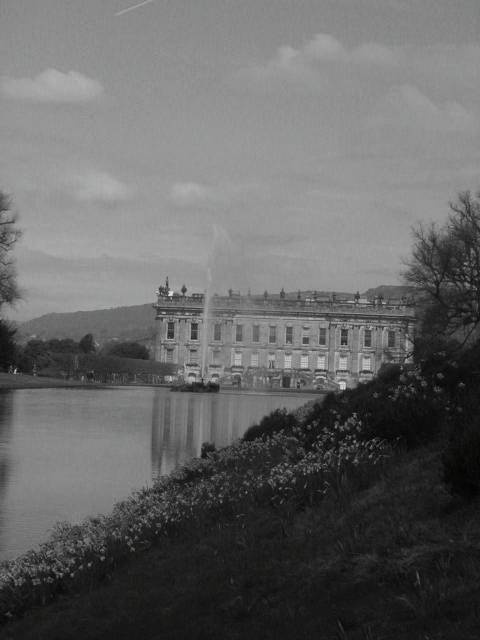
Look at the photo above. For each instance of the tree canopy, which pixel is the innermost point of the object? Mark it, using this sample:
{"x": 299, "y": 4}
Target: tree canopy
{"x": 9, "y": 234}
{"x": 87, "y": 344}
{"x": 128, "y": 350}
{"x": 8, "y": 347}
{"x": 445, "y": 266}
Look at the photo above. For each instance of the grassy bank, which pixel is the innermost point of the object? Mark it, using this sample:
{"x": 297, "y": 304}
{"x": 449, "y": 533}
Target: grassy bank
{"x": 392, "y": 561}
{"x": 338, "y": 522}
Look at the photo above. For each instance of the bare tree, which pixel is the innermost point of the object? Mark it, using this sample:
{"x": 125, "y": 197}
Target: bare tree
{"x": 445, "y": 266}
{"x": 9, "y": 234}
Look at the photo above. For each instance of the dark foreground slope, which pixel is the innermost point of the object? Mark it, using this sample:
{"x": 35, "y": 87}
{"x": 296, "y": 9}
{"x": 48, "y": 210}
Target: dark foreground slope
{"x": 399, "y": 560}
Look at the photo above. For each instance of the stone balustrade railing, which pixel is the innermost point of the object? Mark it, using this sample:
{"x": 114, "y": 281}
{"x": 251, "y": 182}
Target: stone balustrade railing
{"x": 256, "y": 303}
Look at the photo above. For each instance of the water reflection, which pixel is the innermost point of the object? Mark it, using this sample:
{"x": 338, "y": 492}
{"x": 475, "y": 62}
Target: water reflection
{"x": 66, "y": 454}
{"x": 6, "y": 411}
{"x": 181, "y": 422}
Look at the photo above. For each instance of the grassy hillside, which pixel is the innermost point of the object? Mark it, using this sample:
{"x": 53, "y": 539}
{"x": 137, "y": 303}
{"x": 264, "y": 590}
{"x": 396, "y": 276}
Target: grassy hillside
{"x": 398, "y": 561}
{"x": 126, "y": 323}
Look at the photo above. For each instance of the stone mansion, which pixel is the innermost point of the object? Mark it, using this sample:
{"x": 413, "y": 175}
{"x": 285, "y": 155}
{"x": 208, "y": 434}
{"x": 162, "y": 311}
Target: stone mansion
{"x": 301, "y": 340}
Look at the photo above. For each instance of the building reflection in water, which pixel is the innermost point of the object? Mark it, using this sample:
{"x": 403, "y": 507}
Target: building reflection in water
{"x": 178, "y": 429}
{"x": 6, "y": 413}
{"x": 181, "y": 422}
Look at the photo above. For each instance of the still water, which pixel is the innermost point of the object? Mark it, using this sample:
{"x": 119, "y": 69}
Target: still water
{"x": 69, "y": 453}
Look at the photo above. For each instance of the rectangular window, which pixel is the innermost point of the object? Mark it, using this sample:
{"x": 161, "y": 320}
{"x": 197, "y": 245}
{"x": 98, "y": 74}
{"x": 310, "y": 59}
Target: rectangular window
{"x": 366, "y": 363}
{"x": 170, "y": 331}
{"x": 322, "y": 362}
{"x": 254, "y": 360}
{"x": 306, "y": 335}
{"x": 237, "y": 359}
{"x": 304, "y": 361}
{"x": 367, "y": 338}
{"x": 217, "y": 332}
{"x": 322, "y": 337}
{"x": 272, "y": 334}
{"x": 169, "y": 355}
{"x": 216, "y": 357}
{"x": 193, "y": 356}
{"x": 194, "y": 331}
{"x": 343, "y": 363}
{"x": 256, "y": 333}
{"x": 288, "y": 335}
{"x": 391, "y": 339}
{"x": 288, "y": 361}
{"x": 343, "y": 337}
{"x": 239, "y": 333}
{"x": 271, "y": 361}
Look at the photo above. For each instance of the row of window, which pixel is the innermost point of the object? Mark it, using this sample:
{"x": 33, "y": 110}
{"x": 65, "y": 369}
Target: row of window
{"x": 304, "y": 362}
{"x": 283, "y": 361}
{"x": 272, "y": 334}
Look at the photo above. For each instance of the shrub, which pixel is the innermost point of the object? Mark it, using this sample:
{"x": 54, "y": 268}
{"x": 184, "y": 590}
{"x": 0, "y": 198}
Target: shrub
{"x": 399, "y": 405}
{"x": 278, "y": 420}
{"x": 207, "y": 447}
{"x": 461, "y": 460}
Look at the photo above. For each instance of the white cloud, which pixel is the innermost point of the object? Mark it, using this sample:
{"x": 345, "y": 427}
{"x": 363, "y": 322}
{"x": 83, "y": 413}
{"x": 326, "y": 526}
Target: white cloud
{"x": 304, "y": 63}
{"x": 374, "y": 54}
{"x": 405, "y": 106}
{"x": 97, "y": 186}
{"x": 191, "y": 194}
{"x": 442, "y": 67}
{"x": 323, "y": 47}
{"x": 53, "y": 86}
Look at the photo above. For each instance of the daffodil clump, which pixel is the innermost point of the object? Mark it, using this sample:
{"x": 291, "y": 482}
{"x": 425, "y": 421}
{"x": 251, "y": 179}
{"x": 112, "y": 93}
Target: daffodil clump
{"x": 278, "y": 470}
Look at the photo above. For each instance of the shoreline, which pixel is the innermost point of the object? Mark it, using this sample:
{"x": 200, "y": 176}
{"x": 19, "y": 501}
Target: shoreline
{"x": 11, "y": 381}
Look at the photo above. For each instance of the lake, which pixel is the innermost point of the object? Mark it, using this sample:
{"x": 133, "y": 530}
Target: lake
{"x": 69, "y": 453}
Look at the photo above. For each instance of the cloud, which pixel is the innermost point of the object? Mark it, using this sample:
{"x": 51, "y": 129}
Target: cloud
{"x": 442, "y": 67}
{"x": 374, "y": 54}
{"x": 405, "y": 106}
{"x": 304, "y": 63}
{"x": 191, "y": 194}
{"x": 323, "y": 47}
{"x": 97, "y": 186}
{"x": 53, "y": 86}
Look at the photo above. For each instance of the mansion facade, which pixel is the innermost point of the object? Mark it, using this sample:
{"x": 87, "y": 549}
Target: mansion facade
{"x": 281, "y": 341}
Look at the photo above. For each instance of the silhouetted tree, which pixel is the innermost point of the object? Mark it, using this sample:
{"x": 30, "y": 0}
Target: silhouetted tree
{"x": 9, "y": 234}
{"x": 8, "y": 347}
{"x": 87, "y": 344}
{"x": 445, "y": 267}
{"x": 129, "y": 350}
{"x": 35, "y": 352}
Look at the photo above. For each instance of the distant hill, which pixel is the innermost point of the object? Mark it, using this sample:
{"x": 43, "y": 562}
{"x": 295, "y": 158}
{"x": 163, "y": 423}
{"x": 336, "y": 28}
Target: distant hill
{"x": 135, "y": 323}
{"x": 389, "y": 291}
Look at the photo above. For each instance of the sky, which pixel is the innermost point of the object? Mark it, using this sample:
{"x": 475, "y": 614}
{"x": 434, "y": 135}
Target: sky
{"x": 276, "y": 143}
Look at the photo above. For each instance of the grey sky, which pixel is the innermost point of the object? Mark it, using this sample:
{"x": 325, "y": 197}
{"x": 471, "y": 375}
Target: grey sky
{"x": 313, "y": 133}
